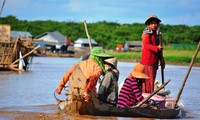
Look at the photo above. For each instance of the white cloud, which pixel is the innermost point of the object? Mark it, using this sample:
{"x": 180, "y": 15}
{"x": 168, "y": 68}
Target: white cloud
{"x": 128, "y": 11}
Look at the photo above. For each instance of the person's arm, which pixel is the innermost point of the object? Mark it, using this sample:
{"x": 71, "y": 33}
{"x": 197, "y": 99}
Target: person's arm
{"x": 92, "y": 81}
{"x": 65, "y": 79}
{"x": 93, "y": 78}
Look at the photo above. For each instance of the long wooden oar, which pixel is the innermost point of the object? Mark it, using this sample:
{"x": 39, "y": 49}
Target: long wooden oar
{"x": 161, "y": 58}
{"x": 189, "y": 69}
{"x": 152, "y": 94}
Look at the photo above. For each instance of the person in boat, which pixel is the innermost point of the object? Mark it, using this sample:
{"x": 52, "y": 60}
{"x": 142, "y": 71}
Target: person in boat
{"x": 91, "y": 69}
{"x": 130, "y": 93}
{"x": 108, "y": 88}
{"x": 150, "y": 52}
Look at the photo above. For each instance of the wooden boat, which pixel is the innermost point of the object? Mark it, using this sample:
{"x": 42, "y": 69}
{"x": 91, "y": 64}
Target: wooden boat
{"x": 98, "y": 108}
{"x": 76, "y": 104}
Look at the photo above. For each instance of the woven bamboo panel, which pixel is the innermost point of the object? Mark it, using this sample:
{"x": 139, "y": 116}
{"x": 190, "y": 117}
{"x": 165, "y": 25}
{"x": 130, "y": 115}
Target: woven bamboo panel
{"x": 4, "y": 33}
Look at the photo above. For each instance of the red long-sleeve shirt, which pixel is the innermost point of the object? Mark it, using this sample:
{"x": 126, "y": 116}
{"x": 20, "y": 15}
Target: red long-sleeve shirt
{"x": 149, "y": 49}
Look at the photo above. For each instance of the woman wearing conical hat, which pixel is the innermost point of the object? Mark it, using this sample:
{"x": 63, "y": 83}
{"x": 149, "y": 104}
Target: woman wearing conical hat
{"x": 130, "y": 93}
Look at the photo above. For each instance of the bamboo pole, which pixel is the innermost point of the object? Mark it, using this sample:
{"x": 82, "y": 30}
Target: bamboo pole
{"x": 15, "y": 49}
{"x": 2, "y": 6}
{"x": 189, "y": 69}
{"x": 152, "y": 94}
{"x": 12, "y": 67}
{"x": 86, "y": 30}
{"x": 25, "y": 55}
{"x": 161, "y": 58}
{"x": 7, "y": 66}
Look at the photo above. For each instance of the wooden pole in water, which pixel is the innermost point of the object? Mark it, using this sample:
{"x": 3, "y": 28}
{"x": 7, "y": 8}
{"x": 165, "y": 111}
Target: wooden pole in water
{"x": 156, "y": 91}
{"x": 86, "y": 30}
{"x": 189, "y": 69}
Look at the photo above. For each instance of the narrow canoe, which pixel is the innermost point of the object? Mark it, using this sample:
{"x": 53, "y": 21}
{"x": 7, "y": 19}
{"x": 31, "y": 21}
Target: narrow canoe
{"x": 98, "y": 108}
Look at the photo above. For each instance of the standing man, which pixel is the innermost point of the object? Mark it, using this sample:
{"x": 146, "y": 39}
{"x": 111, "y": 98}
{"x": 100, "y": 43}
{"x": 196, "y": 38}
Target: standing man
{"x": 150, "y": 52}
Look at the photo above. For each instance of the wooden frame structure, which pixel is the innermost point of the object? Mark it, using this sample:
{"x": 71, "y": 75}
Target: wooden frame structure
{"x": 11, "y": 48}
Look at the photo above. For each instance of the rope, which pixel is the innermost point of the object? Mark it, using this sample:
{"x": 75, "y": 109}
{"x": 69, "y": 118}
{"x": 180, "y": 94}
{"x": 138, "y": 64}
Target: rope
{"x": 65, "y": 88}
{"x": 57, "y": 98}
{"x": 66, "y": 95}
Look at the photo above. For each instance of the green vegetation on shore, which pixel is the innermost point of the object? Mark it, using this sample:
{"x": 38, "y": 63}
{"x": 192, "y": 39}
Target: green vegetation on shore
{"x": 107, "y": 34}
{"x": 171, "y": 56}
{"x": 110, "y": 34}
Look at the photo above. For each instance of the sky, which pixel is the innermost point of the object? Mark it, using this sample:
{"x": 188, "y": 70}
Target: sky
{"x": 172, "y": 12}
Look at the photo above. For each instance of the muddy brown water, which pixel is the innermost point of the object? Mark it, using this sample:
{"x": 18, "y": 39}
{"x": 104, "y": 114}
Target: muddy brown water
{"x": 28, "y": 95}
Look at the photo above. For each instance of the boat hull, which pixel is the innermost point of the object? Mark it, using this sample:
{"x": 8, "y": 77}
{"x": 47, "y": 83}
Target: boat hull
{"x": 103, "y": 109}
{"x": 97, "y": 108}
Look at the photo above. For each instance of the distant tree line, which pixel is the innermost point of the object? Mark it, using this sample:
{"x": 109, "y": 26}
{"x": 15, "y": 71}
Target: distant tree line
{"x": 107, "y": 34}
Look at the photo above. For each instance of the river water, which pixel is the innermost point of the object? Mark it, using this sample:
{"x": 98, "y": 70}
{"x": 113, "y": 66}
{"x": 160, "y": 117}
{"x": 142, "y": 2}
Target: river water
{"x": 36, "y": 87}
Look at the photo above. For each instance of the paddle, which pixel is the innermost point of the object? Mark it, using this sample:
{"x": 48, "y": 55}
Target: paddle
{"x": 161, "y": 58}
{"x": 189, "y": 69}
{"x": 156, "y": 91}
